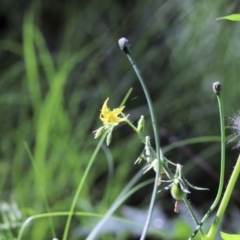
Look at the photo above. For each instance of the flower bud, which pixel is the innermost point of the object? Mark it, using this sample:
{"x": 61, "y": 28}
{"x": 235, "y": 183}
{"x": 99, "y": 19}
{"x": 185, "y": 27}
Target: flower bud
{"x": 217, "y": 87}
{"x": 98, "y": 132}
{"x": 141, "y": 123}
{"x": 123, "y": 43}
{"x": 109, "y": 138}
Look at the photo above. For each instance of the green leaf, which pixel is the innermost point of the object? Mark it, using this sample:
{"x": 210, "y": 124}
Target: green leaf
{"x": 226, "y": 236}
{"x": 232, "y": 17}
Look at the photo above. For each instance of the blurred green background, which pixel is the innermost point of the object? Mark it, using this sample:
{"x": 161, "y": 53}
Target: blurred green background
{"x": 60, "y": 60}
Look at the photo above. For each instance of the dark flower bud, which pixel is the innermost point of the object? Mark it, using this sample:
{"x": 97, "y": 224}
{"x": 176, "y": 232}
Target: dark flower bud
{"x": 217, "y": 87}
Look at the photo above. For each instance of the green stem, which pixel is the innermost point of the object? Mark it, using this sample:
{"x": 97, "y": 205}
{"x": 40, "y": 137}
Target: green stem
{"x": 193, "y": 215}
{"x": 126, "y": 97}
{"x": 217, "y": 87}
{"x": 67, "y": 226}
{"x": 223, "y": 150}
{"x": 213, "y": 230}
{"x": 135, "y": 129}
{"x": 126, "y": 49}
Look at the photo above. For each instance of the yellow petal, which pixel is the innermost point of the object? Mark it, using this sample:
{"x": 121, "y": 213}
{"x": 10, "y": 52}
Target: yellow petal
{"x": 110, "y": 118}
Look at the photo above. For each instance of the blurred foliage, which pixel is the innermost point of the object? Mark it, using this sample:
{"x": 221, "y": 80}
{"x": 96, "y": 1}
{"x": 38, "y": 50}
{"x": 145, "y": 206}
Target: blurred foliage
{"x": 60, "y": 61}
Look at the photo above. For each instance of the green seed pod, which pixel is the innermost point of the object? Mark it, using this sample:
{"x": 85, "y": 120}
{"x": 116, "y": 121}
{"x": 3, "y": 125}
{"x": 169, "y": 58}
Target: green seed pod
{"x": 177, "y": 192}
{"x": 155, "y": 165}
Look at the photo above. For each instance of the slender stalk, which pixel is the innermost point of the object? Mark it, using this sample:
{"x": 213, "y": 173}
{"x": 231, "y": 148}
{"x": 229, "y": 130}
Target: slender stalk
{"x": 123, "y": 43}
{"x": 213, "y": 230}
{"x": 126, "y": 97}
{"x": 135, "y": 129}
{"x": 217, "y": 87}
{"x": 67, "y": 226}
{"x": 193, "y": 215}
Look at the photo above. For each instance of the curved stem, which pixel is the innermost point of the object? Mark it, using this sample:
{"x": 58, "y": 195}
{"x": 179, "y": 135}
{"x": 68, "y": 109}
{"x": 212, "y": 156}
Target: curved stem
{"x": 223, "y": 150}
{"x": 67, "y": 226}
{"x": 134, "y": 128}
{"x": 156, "y": 136}
{"x": 213, "y": 230}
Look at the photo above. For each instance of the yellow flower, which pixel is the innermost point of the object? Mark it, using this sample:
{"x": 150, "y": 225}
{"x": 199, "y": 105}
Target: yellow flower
{"x": 110, "y": 118}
